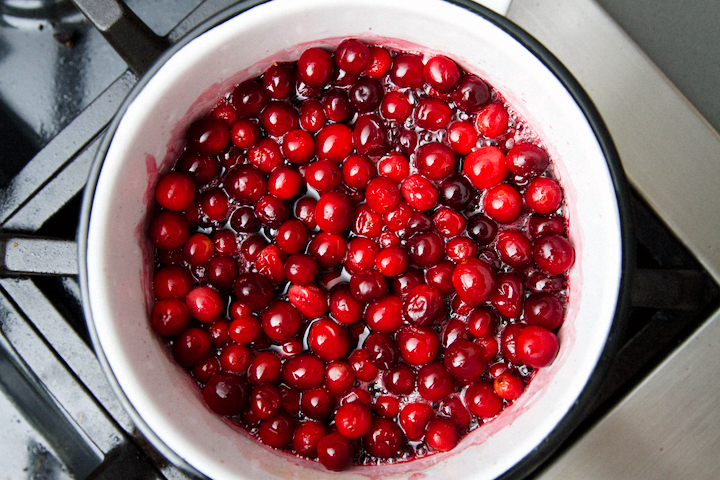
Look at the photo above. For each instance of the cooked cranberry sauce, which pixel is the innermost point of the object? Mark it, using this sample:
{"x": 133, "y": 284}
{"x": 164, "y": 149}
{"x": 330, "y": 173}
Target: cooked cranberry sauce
{"x": 361, "y": 256}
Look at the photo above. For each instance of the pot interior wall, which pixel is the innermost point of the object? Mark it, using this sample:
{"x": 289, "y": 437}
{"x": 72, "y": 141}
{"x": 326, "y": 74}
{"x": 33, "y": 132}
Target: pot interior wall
{"x": 149, "y": 137}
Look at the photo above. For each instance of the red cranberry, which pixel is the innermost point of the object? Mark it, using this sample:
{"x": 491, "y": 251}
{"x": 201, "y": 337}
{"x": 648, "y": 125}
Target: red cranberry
{"x": 536, "y": 346}
{"x": 307, "y": 438}
{"x": 172, "y": 281}
{"x": 280, "y": 321}
{"x": 382, "y": 195}
{"x": 334, "y": 212}
{"x": 339, "y": 377}
{"x": 222, "y": 270}
{"x": 544, "y": 310}
{"x": 449, "y": 222}
{"x": 337, "y": 106}
{"x": 191, "y": 347}
{"x": 309, "y": 300}
{"x": 235, "y": 358}
{"x": 305, "y": 211}
{"x": 334, "y": 142}
{"x": 464, "y": 360}
{"x": 227, "y": 394}
{"x": 379, "y": 63}
{"x": 368, "y": 286}
{"x": 434, "y": 382}
{"x": 304, "y": 371}
{"x": 301, "y": 269}
{"x": 400, "y": 379}
{"x": 407, "y": 70}
{"x": 462, "y": 137}
{"x": 204, "y": 370}
{"x": 424, "y": 306}
{"x": 485, "y": 167}
{"x": 277, "y": 431}
{"x": 481, "y": 322}
{"x": 539, "y": 225}
{"x": 169, "y": 317}
{"x": 362, "y": 367}
{"x": 249, "y": 98}
{"x": 419, "y": 193}
{"x": 361, "y": 254}
{"x": 394, "y": 166}
{"x": 318, "y": 404}
{"x": 441, "y": 73}
{"x": 435, "y": 160}
{"x": 168, "y": 230}
{"x": 353, "y": 420}
{"x": 473, "y": 280}
{"x": 553, "y": 254}
{"x": 329, "y": 249}
{"x": 395, "y": 106}
{"x": 298, "y": 146}
{"x": 352, "y": 55}
{"x": 367, "y": 222}
{"x": 385, "y": 439}
{"x": 245, "y": 329}
{"x": 328, "y": 340}
{"x": 366, "y": 94}
{"x": 335, "y": 452}
{"x": 508, "y": 386}
{"x": 482, "y": 400}
{"x": 503, "y": 203}
{"x": 426, "y": 249}
{"x": 265, "y": 155}
{"x": 441, "y": 434}
{"x": 279, "y": 80}
{"x": 386, "y": 406}
{"x": 414, "y": 419}
{"x": 264, "y": 368}
{"x": 515, "y": 249}
{"x": 454, "y": 409}
{"x": 357, "y": 171}
{"x": 440, "y": 277}
{"x": 418, "y": 345}
{"x": 175, "y": 191}
{"x": 492, "y": 121}
{"x": 270, "y": 264}
{"x": 527, "y": 160}
{"x": 312, "y": 116}
{"x": 471, "y": 94}
{"x": 202, "y": 168}
{"x": 508, "y": 341}
{"x": 315, "y": 67}
{"x": 543, "y": 195}
{"x": 344, "y": 307}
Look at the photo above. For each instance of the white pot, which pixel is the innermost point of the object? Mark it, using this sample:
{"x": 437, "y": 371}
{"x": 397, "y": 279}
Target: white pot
{"x": 147, "y": 135}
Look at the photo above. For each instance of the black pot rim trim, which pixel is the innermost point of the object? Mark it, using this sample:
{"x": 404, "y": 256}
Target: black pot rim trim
{"x": 581, "y": 405}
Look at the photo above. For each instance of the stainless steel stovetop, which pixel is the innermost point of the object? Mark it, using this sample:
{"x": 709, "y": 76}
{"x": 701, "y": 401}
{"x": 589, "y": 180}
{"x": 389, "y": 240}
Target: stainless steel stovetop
{"x": 657, "y": 413}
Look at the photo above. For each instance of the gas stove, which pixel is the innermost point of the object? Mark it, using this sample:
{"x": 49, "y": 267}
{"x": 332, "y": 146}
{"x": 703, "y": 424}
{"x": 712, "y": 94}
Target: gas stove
{"x": 61, "y": 82}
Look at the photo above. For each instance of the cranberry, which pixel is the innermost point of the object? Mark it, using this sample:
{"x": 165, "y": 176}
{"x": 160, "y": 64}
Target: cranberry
{"x": 383, "y": 353}
{"x": 419, "y": 193}
{"x": 434, "y": 382}
{"x": 396, "y": 106}
{"x": 462, "y": 137}
{"x": 432, "y": 114}
{"x": 539, "y": 225}
{"x": 385, "y": 439}
{"x": 553, "y": 254}
{"x": 471, "y": 94}
{"x": 335, "y": 452}
{"x": 426, "y": 249}
{"x": 305, "y": 211}
{"x": 246, "y": 184}
{"x": 337, "y": 106}
{"x": 252, "y": 246}
{"x": 315, "y": 67}
{"x": 277, "y": 431}
{"x": 304, "y": 371}
{"x": 482, "y": 400}
{"x": 440, "y": 277}
{"x": 279, "y": 80}
{"x": 544, "y": 310}
{"x": 407, "y": 70}
{"x": 312, "y": 116}
{"x": 367, "y": 286}
{"x": 456, "y": 192}
{"x": 208, "y": 135}
{"x": 168, "y": 230}
{"x": 308, "y": 300}
{"x": 485, "y": 167}
{"x": 418, "y": 345}
{"x": 301, "y": 269}
{"x": 435, "y": 160}
{"x": 329, "y": 249}
{"x": 169, "y": 317}
{"x": 386, "y": 406}
{"x": 464, "y": 360}
{"x": 527, "y": 160}
{"x": 400, "y": 379}
{"x": 424, "y": 306}
{"x": 362, "y": 367}
{"x": 245, "y": 329}
{"x": 515, "y": 249}
{"x": 222, "y": 270}
{"x": 175, "y": 191}
{"x": 509, "y": 341}
{"x": 503, "y": 203}
{"x": 481, "y": 322}
{"x": 334, "y": 212}
{"x": 382, "y": 195}
{"x": 254, "y": 290}
{"x": 508, "y": 386}
{"x": 414, "y": 419}
{"x": 357, "y": 171}
{"x": 339, "y": 377}
{"x": 191, "y": 347}
{"x": 318, "y": 404}
{"x": 370, "y": 136}
{"x": 367, "y": 222}
{"x": 379, "y": 63}
{"x": 441, "y": 434}
{"x": 536, "y": 346}
{"x": 204, "y": 370}
{"x": 307, "y": 438}
{"x": 334, "y": 142}
{"x": 366, "y": 94}
{"x": 249, "y": 98}
{"x": 280, "y": 321}
{"x": 473, "y": 279}
{"x": 492, "y": 121}
{"x": 454, "y": 408}
{"x": 441, "y": 73}
{"x": 449, "y": 222}
{"x": 353, "y": 420}
{"x": 328, "y": 340}
{"x": 344, "y": 307}
{"x": 226, "y": 394}
{"x": 235, "y": 358}
{"x": 202, "y": 168}
{"x": 264, "y": 368}
{"x": 394, "y": 166}
{"x": 172, "y": 281}
{"x": 352, "y": 55}
{"x": 298, "y": 146}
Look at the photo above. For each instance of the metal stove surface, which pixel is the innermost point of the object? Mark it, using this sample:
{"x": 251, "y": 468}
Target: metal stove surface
{"x": 60, "y": 84}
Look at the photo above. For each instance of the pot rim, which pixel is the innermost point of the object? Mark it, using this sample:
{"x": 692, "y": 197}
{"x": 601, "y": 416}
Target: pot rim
{"x": 581, "y": 405}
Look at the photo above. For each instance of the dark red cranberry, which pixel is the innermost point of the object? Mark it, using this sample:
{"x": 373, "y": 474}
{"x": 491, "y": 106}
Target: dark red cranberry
{"x": 329, "y": 249}
{"x": 387, "y": 406}
{"x": 191, "y": 347}
{"x": 471, "y": 94}
{"x": 407, "y": 70}
{"x": 432, "y": 114}
{"x": 482, "y": 229}
{"x": 304, "y": 371}
{"x": 441, "y": 73}
{"x": 246, "y": 184}
{"x": 449, "y": 222}
{"x": 292, "y": 236}
{"x": 370, "y": 136}
{"x": 426, "y": 249}
{"x": 456, "y": 192}
{"x": 202, "y": 168}
{"x": 382, "y": 350}
{"x": 544, "y": 310}
{"x": 198, "y": 249}
{"x": 208, "y": 135}
{"x": 254, "y": 290}
{"x": 515, "y": 249}
{"x": 222, "y": 270}
{"x": 312, "y": 116}
{"x": 400, "y": 379}
{"x": 172, "y": 281}
{"x": 539, "y": 225}
{"x": 344, "y": 307}
{"x": 318, "y": 403}
{"x": 265, "y": 155}
{"x": 464, "y": 360}
{"x": 384, "y": 315}
{"x": 243, "y": 219}
{"x": 337, "y": 106}
{"x": 214, "y": 204}
{"x": 301, "y": 269}
{"x": 424, "y": 306}
{"x": 380, "y": 62}
{"x": 352, "y": 55}
{"x": 252, "y": 246}
{"x": 227, "y": 394}
{"x": 249, "y": 98}
{"x": 454, "y": 408}
{"x": 366, "y": 94}
{"x": 368, "y": 286}
{"x": 279, "y": 80}
{"x": 204, "y": 370}
{"x": 298, "y": 146}
{"x": 219, "y": 332}
{"x": 418, "y": 345}
{"x": 169, "y": 317}
{"x": 395, "y": 106}
{"x": 305, "y": 211}
{"x": 385, "y": 439}
{"x": 435, "y": 160}
{"x": 481, "y": 322}
{"x": 235, "y": 358}
{"x": 440, "y": 277}
{"x": 280, "y": 321}
{"x": 335, "y": 452}
{"x": 339, "y": 377}
{"x": 362, "y": 367}
{"x": 277, "y": 431}
{"x": 168, "y": 230}
{"x": 264, "y": 368}
{"x": 272, "y": 211}
{"x": 508, "y": 341}
{"x": 270, "y": 263}
{"x": 527, "y": 160}
{"x": 307, "y": 438}
{"x": 265, "y": 400}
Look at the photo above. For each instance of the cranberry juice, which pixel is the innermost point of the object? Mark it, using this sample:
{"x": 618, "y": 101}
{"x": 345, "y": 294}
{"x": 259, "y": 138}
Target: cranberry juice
{"x": 361, "y": 255}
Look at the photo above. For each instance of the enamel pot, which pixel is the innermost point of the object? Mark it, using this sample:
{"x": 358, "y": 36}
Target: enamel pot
{"x": 188, "y": 78}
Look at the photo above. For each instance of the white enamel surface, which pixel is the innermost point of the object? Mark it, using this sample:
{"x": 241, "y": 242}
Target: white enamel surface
{"x": 191, "y": 81}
